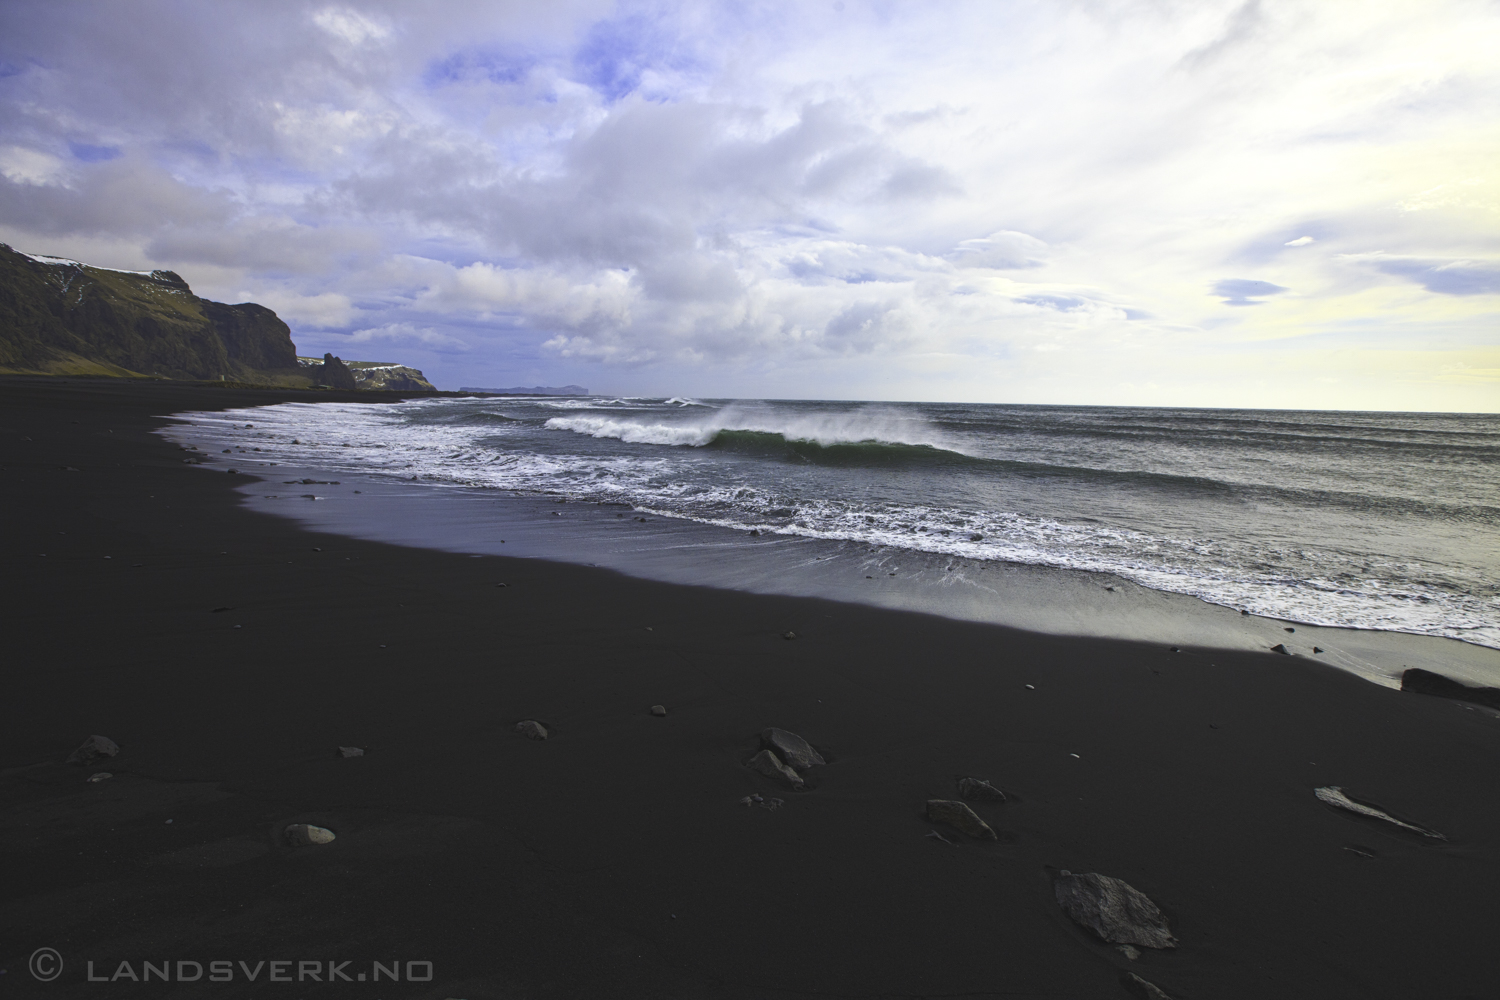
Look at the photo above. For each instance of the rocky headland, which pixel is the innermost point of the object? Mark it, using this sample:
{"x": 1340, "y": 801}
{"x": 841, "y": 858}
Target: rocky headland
{"x": 63, "y": 317}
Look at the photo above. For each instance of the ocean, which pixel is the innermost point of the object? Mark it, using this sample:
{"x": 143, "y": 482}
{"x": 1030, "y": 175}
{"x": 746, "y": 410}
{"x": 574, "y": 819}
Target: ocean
{"x": 1380, "y": 521}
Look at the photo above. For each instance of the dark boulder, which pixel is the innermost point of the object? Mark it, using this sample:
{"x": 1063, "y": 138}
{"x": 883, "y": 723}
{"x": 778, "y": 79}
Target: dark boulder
{"x": 1427, "y": 682}
{"x": 1115, "y": 910}
{"x": 334, "y": 374}
{"x": 92, "y": 749}
{"x": 978, "y": 789}
{"x": 790, "y": 747}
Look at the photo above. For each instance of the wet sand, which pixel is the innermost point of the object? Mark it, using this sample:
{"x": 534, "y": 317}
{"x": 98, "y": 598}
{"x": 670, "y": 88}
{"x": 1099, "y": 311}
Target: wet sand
{"x": 615, "y": 859}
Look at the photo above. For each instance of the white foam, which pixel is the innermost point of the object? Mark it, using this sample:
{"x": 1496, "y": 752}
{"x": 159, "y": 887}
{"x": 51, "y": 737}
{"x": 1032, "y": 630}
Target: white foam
{"x": 853, "y": 427}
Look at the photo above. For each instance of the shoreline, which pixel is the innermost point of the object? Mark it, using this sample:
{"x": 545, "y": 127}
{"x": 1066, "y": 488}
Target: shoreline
{"x": 379, "y": 506}
{"x": 615, "y": 859}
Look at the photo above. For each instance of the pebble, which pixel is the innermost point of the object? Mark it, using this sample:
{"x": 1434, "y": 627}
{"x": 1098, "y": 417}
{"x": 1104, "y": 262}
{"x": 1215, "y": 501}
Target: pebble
{"x": 789, "y": 635}
{"x": 658, "y": 710}
{"x": 101, "y": 776}
{"x": 351, "y": 752}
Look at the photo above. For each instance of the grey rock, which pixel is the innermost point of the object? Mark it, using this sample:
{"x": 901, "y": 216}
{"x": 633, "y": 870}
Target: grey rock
{"x": 532, "y": 729}
{"x": 770, "y": 765}
{"x": 1116, "y": 911}
{"x": 1281, "y": 648}
{"x": 1130, "y": 951}
{"x": 789, "y": 635}
{"x": 94, "y": 779}
{"x": 351, "y": 752}
{"x": 959, "y": 816}
{"x": 1334, "y": 796}
{"x": 92, "y": 749}
{"x": 658, "y": 710}
{"x": 979, "y": 790}
{"x": 1138, "y": 987}
{"x": 307, "y": 835}
{"x": 790, "y": 747}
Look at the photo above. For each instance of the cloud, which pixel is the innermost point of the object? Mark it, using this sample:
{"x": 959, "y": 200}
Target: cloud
{"x": 20, "y": 165}
{"x": 1245, "y": 292}
{"x": 1446, "y": 277}
{"x": 407, "y": 334}
{"x": 734, "y": 192}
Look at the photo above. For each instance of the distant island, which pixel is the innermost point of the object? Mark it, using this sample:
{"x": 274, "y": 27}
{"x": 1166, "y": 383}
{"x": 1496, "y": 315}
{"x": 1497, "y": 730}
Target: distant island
{"x": 533, "y": 390}
{"x": 63, "y": 317}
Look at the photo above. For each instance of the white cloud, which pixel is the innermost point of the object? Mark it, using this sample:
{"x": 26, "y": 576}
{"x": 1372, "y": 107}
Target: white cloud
{"x": 407, "y": 334}
{"x": 350, "y": 26}
{"x": 30, "y": 166}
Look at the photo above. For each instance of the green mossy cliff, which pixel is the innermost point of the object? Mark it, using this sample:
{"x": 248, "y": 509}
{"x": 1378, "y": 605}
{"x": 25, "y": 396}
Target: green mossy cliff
{"x": 61, "y": 317}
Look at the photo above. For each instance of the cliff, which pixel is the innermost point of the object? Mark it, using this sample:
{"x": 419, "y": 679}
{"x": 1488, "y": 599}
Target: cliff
{"x": 63, "y": 317}
{"x": 371, "y": 374}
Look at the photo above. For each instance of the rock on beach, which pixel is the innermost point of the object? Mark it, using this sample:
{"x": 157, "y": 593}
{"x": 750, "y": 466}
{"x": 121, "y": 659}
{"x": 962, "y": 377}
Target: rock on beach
{"x": 770, "y": 765}
{"x": 307, "y": 835}
{"x": 791, "y": 748}
{"x": 959, "y": 816}
{"x": 532, "y": 729}
{"x": 979, "y": 790}
{"x": 1113, "y": 909}
{"x": 92, "y": 749}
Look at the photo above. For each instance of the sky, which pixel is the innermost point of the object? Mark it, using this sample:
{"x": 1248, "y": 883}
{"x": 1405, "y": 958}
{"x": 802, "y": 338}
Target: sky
{"x": 1263, "y": 203}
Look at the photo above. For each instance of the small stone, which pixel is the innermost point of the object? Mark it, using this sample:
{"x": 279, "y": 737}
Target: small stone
{"x": 790, "y": 747}
{"x": 232, "y": 471}
{"x": 789, "y": 635}
{"x": 977, "y": 788}
{"x": 754, "y": 532}
{"x": 1141, "y": 989}
{"x": 351, "y": 752}
{"x": 1281, "y": 648}
{"x": 747, "y": 802}
{"x": 1130, "y": 951}
{"x": 100, "y": 776}
{"x": 307, "y": 835}
{"x": 1116, "y": 911}
{"x": 1317, "y": 649}
{"x": 1288, "y": 629}
{"x": 93, "y": 748}
{"x": 770, "y": 765}
{"x": 532, "y": 729}
{"x": 658, "y": 710}
{"x": 959, "y": 816}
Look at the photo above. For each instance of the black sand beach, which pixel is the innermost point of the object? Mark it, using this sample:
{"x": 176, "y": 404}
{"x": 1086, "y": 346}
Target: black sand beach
{"x": 230, "y": 654}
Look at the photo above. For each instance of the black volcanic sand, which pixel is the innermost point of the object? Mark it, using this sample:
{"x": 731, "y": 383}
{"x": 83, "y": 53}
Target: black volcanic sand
{"x": 615, "y": 859}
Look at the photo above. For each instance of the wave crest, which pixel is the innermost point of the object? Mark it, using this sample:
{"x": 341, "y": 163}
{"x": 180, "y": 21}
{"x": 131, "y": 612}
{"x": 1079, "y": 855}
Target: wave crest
{"x": 737, "y": 428}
